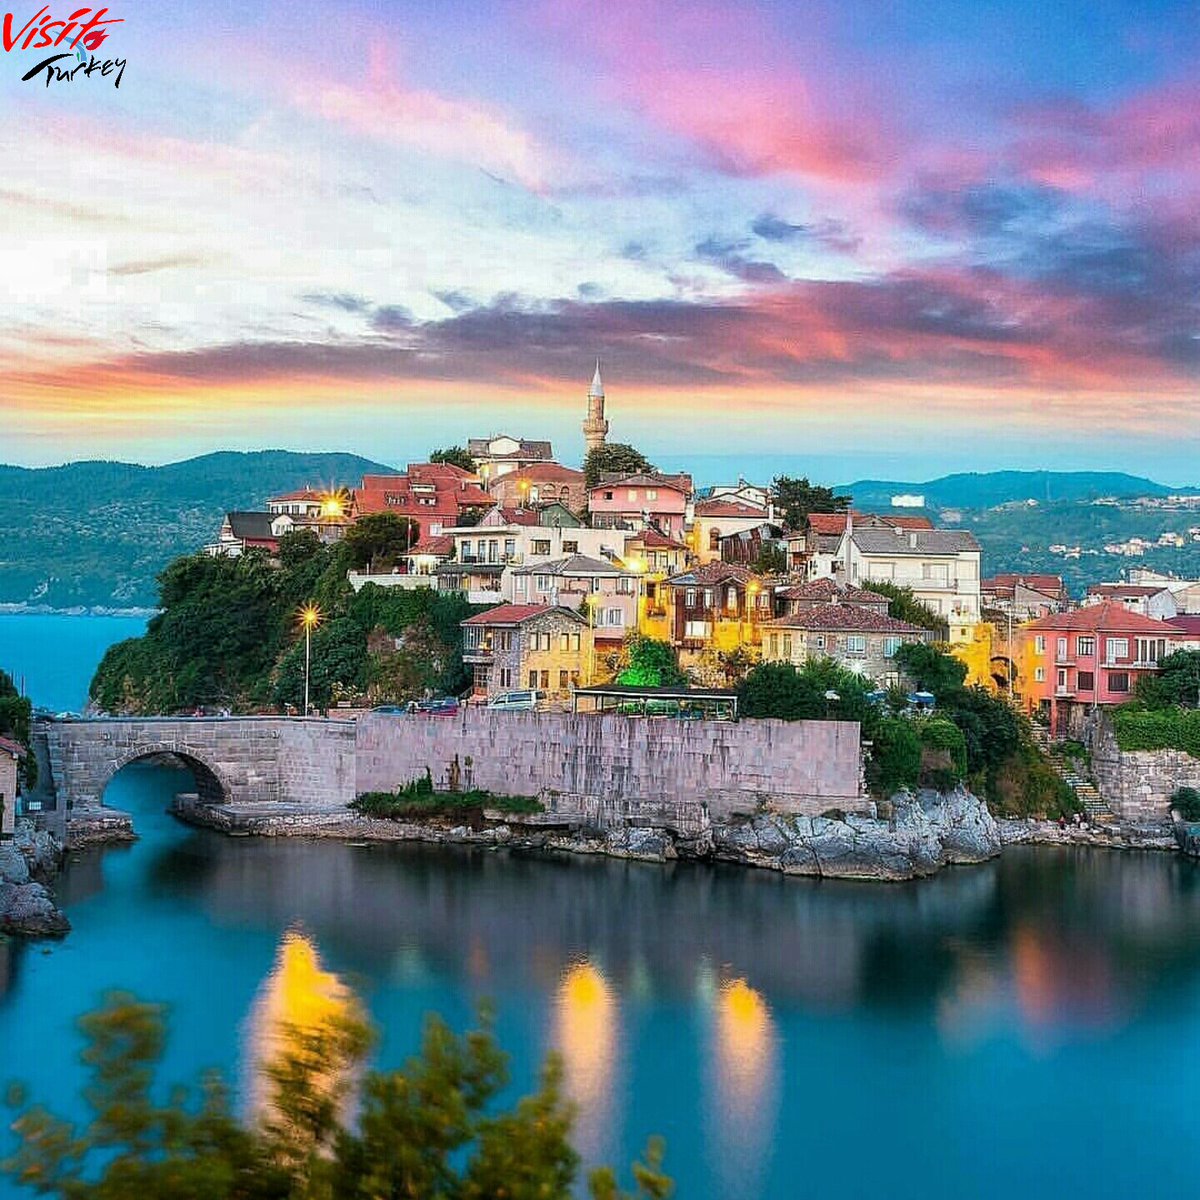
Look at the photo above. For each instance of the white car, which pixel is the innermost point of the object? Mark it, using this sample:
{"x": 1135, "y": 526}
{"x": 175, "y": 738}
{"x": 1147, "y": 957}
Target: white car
{"x": 526, "y": 701}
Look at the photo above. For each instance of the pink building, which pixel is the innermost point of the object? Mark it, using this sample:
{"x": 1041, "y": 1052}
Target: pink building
{"x": 1075, "y": 661}
{"x": 641, "y": 502}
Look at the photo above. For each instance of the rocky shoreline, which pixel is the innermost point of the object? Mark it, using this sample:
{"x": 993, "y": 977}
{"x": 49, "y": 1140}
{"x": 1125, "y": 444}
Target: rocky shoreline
{"x": 921, "y": 834}
{"x": 27, "y": 864}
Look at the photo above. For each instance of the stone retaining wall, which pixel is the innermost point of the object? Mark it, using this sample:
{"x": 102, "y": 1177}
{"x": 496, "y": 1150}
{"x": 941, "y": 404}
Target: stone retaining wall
{"x": 1138, "y": 784}
{"x": 605, "y": 769}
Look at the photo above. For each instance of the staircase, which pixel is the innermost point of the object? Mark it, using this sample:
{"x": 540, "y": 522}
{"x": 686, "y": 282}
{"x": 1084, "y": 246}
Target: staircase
{"x": 1068, "y": 770}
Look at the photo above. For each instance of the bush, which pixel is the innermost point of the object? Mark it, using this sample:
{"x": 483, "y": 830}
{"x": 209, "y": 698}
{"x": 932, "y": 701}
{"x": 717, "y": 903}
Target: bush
{"x": 417, "y": 800}
{"x": 1138, "y": 728}
{"x": 1186, "y": 800}
{"x": 895, "y": 757}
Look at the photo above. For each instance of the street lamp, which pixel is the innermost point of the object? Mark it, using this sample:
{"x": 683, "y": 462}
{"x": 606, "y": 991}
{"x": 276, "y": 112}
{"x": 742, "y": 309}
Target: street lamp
{"x": 310, "y": 618}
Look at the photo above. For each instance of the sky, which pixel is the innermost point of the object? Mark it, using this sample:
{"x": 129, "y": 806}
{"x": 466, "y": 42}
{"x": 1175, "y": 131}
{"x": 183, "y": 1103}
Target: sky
{"x": 869, "y": 237}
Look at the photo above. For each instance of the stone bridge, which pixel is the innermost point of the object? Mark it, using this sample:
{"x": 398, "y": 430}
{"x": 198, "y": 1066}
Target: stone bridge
{"x": 234, "y": 760}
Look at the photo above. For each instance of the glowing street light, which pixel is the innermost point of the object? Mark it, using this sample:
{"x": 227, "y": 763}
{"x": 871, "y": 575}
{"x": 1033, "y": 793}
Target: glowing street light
{"x": 310, "y": 618}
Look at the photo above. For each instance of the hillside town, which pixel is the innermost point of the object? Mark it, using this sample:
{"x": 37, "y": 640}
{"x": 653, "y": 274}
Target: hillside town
{"x": 567, "y": 562}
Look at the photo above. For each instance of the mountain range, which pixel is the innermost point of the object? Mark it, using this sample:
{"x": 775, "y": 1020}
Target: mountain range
{"x": 96, "y": 534}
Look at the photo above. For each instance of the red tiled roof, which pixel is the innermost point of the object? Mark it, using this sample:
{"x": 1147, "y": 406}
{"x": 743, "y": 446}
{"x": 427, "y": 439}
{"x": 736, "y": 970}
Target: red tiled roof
{"x": 1188, "y": 622}
{"x": 1009, "y": 580}
{"x": 832, "y": 617}
{"x": 548, "y": 472}
{"x": 437, "y": 546}
{"x": 677, "y": 483}
{"x": 652, "y": 539}
{"x": 1107, "y": 617}
{"x": 830, "y": 523}
{"x": 828, "y": 589}
{"x": 518, "y": 516}
{"x": 1126, "y": 589}
{"x": 305, "y": 493}
{"x": 729, "y": 508}
{"x": 517, "y": 614}
{"x": 713, "y": 573}
{"x": 11, "y": 747}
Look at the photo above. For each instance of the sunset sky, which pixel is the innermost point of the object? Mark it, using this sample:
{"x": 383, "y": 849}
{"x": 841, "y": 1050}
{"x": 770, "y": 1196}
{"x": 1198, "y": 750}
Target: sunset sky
{"x": 850, "y": 236}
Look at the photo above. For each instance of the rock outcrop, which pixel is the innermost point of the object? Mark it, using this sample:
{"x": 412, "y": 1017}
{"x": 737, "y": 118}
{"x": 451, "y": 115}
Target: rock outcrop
{"x": 26, "y": 907}
{"x": 924, "y": 833}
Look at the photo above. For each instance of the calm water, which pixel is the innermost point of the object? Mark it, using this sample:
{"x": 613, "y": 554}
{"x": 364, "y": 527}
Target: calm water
{"x": 1029, "y": 1027}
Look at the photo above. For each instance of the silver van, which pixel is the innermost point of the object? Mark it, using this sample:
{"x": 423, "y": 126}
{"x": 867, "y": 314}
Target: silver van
{"x": 526, "y": 701}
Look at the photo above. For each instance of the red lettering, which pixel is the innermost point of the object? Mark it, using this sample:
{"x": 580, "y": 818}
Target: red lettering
{"x": 92, "y": 35}
{"x": 9, "y": 40}
{"x": 45, "y": 37}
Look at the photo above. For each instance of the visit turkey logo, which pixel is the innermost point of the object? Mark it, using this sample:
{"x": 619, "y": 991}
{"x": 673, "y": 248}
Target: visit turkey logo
{"x": 76, "y": 40}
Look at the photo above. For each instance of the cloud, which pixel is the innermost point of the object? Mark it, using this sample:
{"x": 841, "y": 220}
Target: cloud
{"x": 342, "y": 301}
{"x": 730, "y": 257}
{"x": 830, "y": 232}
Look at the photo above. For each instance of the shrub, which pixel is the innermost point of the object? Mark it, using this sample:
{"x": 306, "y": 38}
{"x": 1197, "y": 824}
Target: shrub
{"x": 1186, "y": 800}
{"x": 1137, "y": 728}
{"x": 895, "y": 757}
{"x": 417, "y": 800}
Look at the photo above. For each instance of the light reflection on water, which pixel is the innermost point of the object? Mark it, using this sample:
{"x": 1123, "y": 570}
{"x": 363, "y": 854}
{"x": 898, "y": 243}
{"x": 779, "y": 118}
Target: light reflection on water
{"x": 761, "y": 1024}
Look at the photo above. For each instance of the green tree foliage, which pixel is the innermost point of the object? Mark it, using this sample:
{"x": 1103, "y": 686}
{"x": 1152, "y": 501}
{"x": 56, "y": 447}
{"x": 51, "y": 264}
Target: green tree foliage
{"x": 436, "y": 1127}
{"x": 904, "y": 606}
{"x": 1175, "y": 683}
{"x": 790, "y": 693}
{"x": 796, "y": 498}
{"x": 771, "y": 560}
{"x": 613, "y": 458}
{"x": 16, "y": 712}
{"x": 1186, "y": 801}
{"x": 339, "y": 657}
{"x": 895, "y": 760}
{"x": 650, "y": 663}
{"x": 456, "y": 456}
{"x": 1137, "y": 728}
{"x": 930, "y": 669}
{"x": 377, "y": 542}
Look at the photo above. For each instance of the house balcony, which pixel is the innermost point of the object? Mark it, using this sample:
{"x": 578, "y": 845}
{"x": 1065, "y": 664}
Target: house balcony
{"x": 479, "y": 655}
{"x": 1064, "y": 692}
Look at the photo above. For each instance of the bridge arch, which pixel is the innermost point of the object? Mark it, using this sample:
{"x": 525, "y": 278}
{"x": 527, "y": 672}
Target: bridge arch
{"x": 211, "y": 785}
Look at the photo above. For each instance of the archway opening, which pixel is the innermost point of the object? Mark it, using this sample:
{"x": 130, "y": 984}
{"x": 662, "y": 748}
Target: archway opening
{"x": 148, "y": 784}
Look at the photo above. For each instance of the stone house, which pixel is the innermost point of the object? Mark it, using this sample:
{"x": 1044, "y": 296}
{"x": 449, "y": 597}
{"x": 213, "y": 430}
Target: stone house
{"x": 541, "y": 483}
{"x": 716, "y": 608}
{"x": 517, "y": 646}
{"x": 858, "y": 637}
{"x": 602, "y": 591}
{"x": 10, "y": 759}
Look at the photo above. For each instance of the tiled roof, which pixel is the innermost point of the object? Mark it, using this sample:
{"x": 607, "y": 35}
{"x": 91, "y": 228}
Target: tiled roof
{"x": 1188, "y": 622}
{"x": 729, "y": 508}
{"x": 573, "y": 564}
{"x": 519, "y": 516}
{"x": 11, "y": 747}
{"x": 1126, "y": 589}
{"x": 713, "y": 573}
{"x": 543, "y": 472}
{"x": 439, "y": 545}
{"x": 914, "y": 541}
{"x": 829, "y": 591}
{"x": 831, "y": 523}
{"x": 1106, "y": 617}
{"x": 253, "y": 526}
{"x": 677, "y": 483}
{"x": 1006, "y": 581}
{"x": 518, "y": 614}
{"x": 823, "y": 617}
{"x": 478, "y": 448}
{"x": 305, "y": 493}
{"x": 653, "y": 539}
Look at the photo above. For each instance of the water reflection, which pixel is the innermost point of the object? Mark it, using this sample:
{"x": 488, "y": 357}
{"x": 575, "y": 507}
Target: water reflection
{"x": 301, "y": 1010}
{"x": 586, "y": 1035}
{"x": 743, "y": 1087}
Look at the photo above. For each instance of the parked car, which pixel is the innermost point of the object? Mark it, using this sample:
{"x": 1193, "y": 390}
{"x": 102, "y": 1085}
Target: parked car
{"x": 524, "y": 701}
{"x": 392, "y": 710}
{"x": 441, "y": 706}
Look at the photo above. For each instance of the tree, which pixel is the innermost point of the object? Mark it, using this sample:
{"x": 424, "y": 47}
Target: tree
{"x": 651, "y": 663}
{"x": 796, "y": 498}
{"x": 904, "y": 606}
{"x": 1175, "y": 683}
{"x": 338, "y": 659}
{"x": 807, "y": 693}
{"x": 16, "y": 713}
{"x": 613, "y": 458}
{"x": 456, "y": 456}
{"x": 434, "y": 1127}
{"x": 771, "y": 560}
{"x": 376, "y": 542}
{"x": 930, "y": 669}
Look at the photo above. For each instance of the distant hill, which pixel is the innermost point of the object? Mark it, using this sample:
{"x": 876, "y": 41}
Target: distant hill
{"x": 988, "y": 489}
{"x": 96, "y": 534}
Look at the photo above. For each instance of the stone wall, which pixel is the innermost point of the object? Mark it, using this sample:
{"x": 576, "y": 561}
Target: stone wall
{"x": 240, "y": 760}
{"x": 607, "y": 768}
{"x": 1137, "y": 785}
{"x": 8, "y": 794}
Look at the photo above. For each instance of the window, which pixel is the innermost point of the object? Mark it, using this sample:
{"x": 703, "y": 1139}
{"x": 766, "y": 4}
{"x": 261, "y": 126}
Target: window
{"x": 695, "y": 629}
{"x": 774, "y": 645}
{"x": 709, "y": 597}
{"x": 546, "y": 680}
{"x": 1039, "y": 674}
{"x": 714, "y": 539}
{"x": 520, "y": 582}
{"x": 689, "y": 598}
{"x": 1086, "y": 681}
{"x": 787, "y": 646}
{"x": 510, "y": 547}
{"x": 533, "y": 679}
{"x": 891, "y": 645}
{"x": 541, "y": 547}
{"x": 1039, "y": 644}
{"x": 570, "y": 547}
{"x": 616, "y": 616}
{"x": 563, "y": 677}
{"x": 506, "y": 677}
{"x": 1062, "y": 648}
{"x": 542, "y": 582}
{"x": 731, "y": 598}
{"x": 1118, "y": 681}
{"x": 625, "y": 585}
{"x": 856, "y": 643}
{"x": 1085, "y": 647}
{"x": 1118, "y": 648}
{"x": 608, "y": 495}
{"x": 505, "y": 639}
{"x": 564, "y": 642}
{"x": 1150, "y": 650}
{"x": 819, "y": 641}
{"x": 575, "y": 642}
